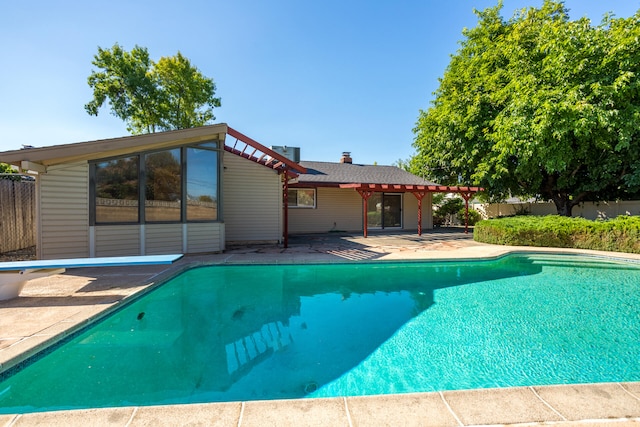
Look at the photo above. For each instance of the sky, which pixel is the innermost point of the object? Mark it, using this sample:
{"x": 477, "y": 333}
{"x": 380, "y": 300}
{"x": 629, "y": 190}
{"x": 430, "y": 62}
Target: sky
{"x": 326, "y": 76}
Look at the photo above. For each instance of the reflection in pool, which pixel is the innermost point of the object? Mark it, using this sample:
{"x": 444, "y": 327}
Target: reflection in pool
{"x": 245, "y": 332}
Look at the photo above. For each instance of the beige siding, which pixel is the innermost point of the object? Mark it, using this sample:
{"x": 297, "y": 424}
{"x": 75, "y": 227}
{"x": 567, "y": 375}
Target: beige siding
{"x": 64, "y": 211}
{"x": 117, "y": 240}
{"x": 163, "y": 238}
{"x": 341, "y": 209}
{"x": 252, "y": 202}
{"x": 205, "y": 237}
{"x": 410, "y": 212}
{"x": 336, "y": 209}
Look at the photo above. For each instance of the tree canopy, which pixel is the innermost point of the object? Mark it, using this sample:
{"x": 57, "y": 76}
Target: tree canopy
{"x": 538, "y": 105}
{"x": 151, "y": 96}
{"x": 5, "y": 168}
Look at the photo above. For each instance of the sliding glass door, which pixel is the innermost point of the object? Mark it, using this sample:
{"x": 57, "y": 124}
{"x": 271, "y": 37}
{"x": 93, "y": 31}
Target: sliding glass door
{"x": 384, "y": 210}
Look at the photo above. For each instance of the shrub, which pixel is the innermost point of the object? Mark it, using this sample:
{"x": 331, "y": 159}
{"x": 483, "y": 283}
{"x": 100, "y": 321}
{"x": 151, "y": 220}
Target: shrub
{"x": 620, "y": 234}
{"x": 474, "y": 216}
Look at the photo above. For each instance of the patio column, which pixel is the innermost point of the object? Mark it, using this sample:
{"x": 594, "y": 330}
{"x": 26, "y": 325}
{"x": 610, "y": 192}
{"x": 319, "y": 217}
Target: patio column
{"x": 285, "y": 200}
{"x": 419, "y": 195}
{"x": 365, "y": 194}
{"x": 466, "y": 197}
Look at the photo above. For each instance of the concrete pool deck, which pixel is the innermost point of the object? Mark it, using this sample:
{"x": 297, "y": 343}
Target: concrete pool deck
{"x": 49, "y": 308}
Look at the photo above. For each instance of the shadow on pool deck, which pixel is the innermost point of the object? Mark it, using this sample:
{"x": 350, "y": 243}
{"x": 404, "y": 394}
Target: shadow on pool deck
{"x": 51, "y": 307}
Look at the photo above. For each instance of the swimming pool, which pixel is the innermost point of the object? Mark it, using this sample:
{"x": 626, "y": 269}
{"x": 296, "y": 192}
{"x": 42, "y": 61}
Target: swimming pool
{"x": 247, "y": 332}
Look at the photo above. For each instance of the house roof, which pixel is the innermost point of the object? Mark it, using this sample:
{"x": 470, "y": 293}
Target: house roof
{"x": 369, "y": 178}
{"x": 40, "y": 158}
{"x": 327, "y": 173}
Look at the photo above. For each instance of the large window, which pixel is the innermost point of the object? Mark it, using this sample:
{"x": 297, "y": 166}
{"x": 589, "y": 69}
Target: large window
{"x": 302, "y": 198}
{"x": 163, "y": 186}
{"x": 202, "y": 183}
{"x": 117, "y": 190}
{"x": 154, "y": 186}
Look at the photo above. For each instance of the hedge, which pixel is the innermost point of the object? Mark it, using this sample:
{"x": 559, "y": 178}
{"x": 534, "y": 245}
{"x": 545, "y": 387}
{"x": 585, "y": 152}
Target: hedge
{"x": 621, "y": 234}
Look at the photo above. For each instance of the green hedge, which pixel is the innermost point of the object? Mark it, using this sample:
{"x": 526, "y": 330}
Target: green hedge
{"x": 621, "y": 234}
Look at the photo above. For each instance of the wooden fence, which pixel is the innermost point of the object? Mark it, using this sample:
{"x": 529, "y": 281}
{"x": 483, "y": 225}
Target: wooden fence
{"x": 17, "y": 213}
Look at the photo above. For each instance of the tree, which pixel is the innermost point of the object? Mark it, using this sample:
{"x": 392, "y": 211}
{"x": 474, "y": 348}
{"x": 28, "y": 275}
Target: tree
{"x": 538, "y": 105}
{"x": 5, "y": 168}
{"x": 149, "y": 96}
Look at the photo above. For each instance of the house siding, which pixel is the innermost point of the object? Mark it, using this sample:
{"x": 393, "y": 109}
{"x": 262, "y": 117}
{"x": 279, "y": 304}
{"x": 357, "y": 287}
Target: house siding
{"x": 63, "y": 211}
{"x": 410, "y": 212}
{"x": 336, "y": 209}
{"x": 163, "y": 238}
{"x": 117, "y": 240}
{"x": 205, "y": 237}
{"x": 252, "y": 204}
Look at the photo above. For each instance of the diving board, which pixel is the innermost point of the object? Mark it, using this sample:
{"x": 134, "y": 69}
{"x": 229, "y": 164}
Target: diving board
{"x": 14, "y": 275}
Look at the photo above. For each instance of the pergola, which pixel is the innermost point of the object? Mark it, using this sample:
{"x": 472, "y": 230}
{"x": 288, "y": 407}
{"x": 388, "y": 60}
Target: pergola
{"x": 419, "y": 191}
{"x": 250, "y": 149}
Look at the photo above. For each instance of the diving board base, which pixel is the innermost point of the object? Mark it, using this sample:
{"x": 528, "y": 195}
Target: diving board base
{"x": 14, "y": 275}
{"x": 12, "y": 282}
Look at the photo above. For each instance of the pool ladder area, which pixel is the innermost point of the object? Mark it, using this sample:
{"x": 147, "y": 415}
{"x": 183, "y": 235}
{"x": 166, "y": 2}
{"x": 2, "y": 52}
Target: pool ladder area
{"x": 254, "y": 347}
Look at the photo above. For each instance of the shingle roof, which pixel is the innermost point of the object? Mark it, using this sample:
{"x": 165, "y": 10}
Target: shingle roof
{"x": 326, "y": 173}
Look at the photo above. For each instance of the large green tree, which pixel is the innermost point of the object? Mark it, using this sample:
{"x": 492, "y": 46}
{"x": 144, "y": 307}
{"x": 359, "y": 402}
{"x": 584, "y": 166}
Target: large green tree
{"x": 149, "y": 96}
{"x": 538, "y": 105}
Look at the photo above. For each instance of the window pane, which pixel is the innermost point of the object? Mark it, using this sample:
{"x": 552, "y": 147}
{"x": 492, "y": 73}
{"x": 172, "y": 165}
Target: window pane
{"x": 292, "y": 198}
{"x": 374, "y": 210}
{"x": 117, "y": 190}
{"x": 202, "y": 184}
{"x": 302, "y": 198}
{"x": 306, "y": 198}
{"x": 163, "y": 187}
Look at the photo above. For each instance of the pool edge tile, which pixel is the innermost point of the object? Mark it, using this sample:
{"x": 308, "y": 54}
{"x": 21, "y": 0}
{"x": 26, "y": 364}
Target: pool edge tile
{"x": 591, "y": 401}
{"x": 209, "y": 414}
{"x": 411, "y": 409}
{"x": 308, "y": 412}
{"x": 80, "y": 418}
{"x": 511, "y": 405}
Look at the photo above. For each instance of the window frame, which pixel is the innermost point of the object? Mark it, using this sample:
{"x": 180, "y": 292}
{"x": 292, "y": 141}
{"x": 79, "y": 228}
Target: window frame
{"x": 296, "y": 206}
{"x": 142, "y": 178}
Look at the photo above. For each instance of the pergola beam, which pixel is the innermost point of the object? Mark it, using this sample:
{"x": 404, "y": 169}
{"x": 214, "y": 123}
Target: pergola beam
{"x": 366, "y": 190}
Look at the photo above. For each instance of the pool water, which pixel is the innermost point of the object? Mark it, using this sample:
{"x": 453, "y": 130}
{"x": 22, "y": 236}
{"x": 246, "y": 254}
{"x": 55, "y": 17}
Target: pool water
{"x": 246, "y": 332}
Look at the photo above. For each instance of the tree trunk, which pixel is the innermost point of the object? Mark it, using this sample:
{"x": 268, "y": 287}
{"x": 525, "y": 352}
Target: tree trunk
{"x": 564, "y": 204}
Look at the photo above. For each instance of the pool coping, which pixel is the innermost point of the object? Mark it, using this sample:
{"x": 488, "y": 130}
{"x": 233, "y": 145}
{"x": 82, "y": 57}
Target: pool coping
{"x": 599, "y": 403}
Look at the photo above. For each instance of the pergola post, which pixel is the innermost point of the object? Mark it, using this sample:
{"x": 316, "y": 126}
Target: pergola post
{"x": 466, "y": 197}
{"x": 285, "y": 199}
{"x": 419, "y": 195}
{"x": 365, "y": 194}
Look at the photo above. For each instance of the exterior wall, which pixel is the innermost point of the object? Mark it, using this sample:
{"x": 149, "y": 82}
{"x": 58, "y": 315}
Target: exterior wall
{"x": 205, "y": 237}
{"x": 589, "y": 210}
{"x": 64, "y": 231}
{"x": 410, "y": 212}
{"x": 341, "y": 210}
{"x": 163, "y": 239}
{"x": 336, "y": 210}
{"x": 117, "y": 240}
{"x": 152, "y": 239}
{"x": 252, "y": 202}
{"x": 63, "y": 212}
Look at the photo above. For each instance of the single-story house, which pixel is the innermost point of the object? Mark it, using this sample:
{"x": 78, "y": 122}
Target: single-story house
{"x": 196, "y": 190}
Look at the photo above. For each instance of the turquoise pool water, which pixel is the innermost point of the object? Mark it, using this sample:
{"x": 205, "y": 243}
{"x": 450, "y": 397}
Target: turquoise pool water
{"x": 247, "y": 332}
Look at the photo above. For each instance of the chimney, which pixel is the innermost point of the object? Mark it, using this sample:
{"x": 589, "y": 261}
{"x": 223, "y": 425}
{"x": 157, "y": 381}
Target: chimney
{"x": 346, "y": 157}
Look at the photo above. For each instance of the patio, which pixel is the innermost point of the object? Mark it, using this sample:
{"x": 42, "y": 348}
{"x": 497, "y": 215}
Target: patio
{"x": 49, "y": 308}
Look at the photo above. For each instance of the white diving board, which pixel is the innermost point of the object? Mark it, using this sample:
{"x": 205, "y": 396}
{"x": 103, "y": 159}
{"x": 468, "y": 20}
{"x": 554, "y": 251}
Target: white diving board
{"x": 14, "y": 275}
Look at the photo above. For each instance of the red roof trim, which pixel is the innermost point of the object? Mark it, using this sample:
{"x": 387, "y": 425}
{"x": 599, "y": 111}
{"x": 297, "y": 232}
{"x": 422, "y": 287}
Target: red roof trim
{"x": 267, "y": 157}
{"x": 413, "y": 188}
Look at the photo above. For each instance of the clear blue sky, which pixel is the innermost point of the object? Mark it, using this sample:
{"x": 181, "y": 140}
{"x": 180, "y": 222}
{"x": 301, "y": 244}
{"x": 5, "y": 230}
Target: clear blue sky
{"x": 327, "y": 76}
